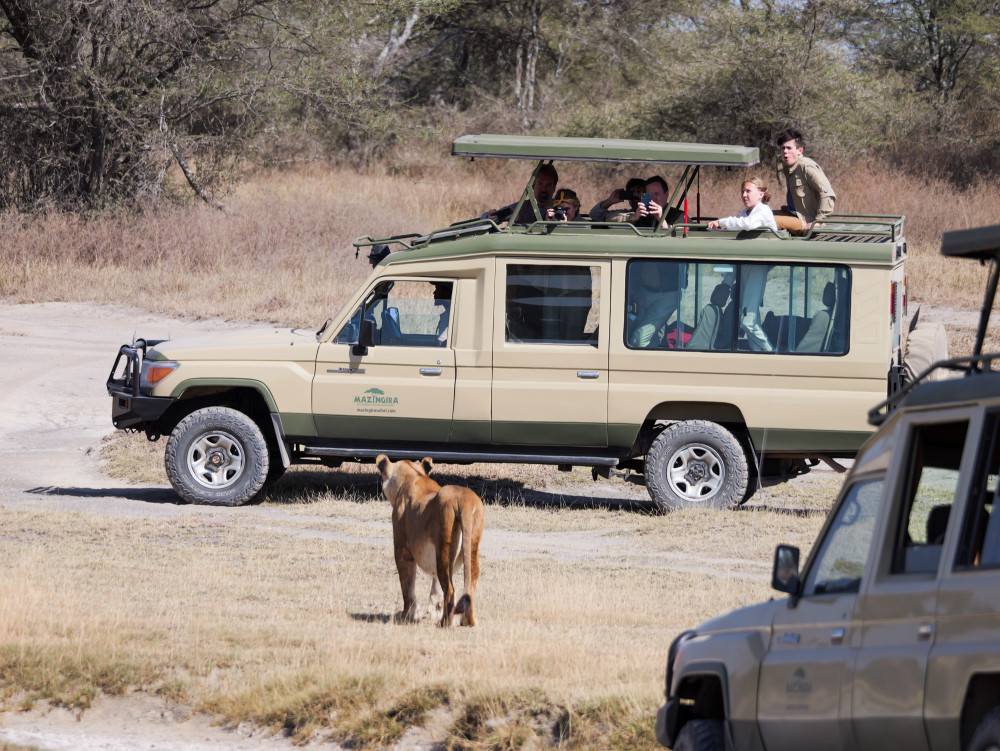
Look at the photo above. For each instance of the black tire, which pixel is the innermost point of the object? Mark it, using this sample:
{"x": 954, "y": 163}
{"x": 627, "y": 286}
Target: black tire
{"x": 696, "y": 464}
{"x": 218, "y": 457}
{"x": 987, "y": 735}
{"x": 701, "y": 735}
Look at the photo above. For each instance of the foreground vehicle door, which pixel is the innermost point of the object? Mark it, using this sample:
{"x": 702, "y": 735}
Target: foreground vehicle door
{"x": 399, "y": 386}
{"x": 550, "y": 354}
{"x": 896, "y": 610}
{"x": 803, "y": 701}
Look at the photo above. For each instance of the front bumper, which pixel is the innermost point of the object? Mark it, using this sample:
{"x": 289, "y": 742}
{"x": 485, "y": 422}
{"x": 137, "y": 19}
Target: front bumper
{"x": 666, "y": 723}
{"x": 128, "y": 411}
{"x": 130, "y": 408}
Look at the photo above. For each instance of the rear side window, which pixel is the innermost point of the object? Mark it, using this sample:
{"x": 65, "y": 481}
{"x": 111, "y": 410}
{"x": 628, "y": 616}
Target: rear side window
{"x": 738, "y": 307}
{"x": 548, "y": 304}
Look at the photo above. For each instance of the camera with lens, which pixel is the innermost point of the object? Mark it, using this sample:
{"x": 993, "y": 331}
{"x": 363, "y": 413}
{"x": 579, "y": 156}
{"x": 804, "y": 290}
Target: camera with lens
{"x": 504, "y": 214}
{"x": 631, "y": 196}
{"x": 559, "y": 214}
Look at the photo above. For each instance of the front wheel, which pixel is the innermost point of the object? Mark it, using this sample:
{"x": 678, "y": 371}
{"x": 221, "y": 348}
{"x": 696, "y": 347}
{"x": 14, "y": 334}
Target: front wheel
{"x": 987, "y": 735}
{"x": 217, "y": 456}
{"x": 701, "y": 735}
{"x": 696, "y": 464}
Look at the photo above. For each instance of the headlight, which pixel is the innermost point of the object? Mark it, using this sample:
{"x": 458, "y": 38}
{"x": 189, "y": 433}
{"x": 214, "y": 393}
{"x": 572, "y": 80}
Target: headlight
{"x": 154, "y": 371}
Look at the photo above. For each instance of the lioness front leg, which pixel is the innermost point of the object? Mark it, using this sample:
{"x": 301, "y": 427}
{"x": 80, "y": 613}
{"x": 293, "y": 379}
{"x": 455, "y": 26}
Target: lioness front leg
{"x": 407, "y": 569}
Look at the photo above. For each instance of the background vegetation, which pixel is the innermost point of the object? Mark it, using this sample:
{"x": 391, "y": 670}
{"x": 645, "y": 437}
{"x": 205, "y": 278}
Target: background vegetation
{"x": 97, "y": 99}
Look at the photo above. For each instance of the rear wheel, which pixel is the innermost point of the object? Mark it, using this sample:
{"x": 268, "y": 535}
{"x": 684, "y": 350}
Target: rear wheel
{"x": 987, "y": 735}
{"x": 696, "y": 464}
{"x": 217, "y": 456}
{"x": 701, "y": 735}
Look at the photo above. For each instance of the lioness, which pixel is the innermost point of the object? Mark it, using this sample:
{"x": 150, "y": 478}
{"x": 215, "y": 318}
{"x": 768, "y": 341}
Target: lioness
{"x": 431, "y": 525}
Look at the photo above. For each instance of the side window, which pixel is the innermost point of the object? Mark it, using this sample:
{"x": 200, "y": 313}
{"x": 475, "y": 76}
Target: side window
{"x": 552, "y": 304}
{"x": 741, "y": 307}
{"x": 980, "y": 542}
{"x": 934, "y": 455}
{"x": 806, "y": 309}
{"x": 405, "y": 314}
{"x": 840, "y": 563}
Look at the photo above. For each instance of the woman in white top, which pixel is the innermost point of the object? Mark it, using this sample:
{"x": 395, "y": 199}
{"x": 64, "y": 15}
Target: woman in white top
{"x": 756, "y": 215}
{"x": 753, "y": 277}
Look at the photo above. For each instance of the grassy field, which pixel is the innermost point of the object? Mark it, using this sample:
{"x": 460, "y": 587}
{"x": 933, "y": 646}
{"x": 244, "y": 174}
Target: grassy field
{"x": 281, "y": 250}
{"x": 281, "y": 614}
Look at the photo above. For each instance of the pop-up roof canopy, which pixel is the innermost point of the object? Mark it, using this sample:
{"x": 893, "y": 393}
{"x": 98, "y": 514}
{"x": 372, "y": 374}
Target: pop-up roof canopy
{"x": 981, "y": 242}
{"x": 604, "y": 150}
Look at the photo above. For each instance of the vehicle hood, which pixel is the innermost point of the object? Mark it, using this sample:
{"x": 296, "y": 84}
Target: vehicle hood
{"x": 251, "y": 344}
{"x": 753, "y": 617}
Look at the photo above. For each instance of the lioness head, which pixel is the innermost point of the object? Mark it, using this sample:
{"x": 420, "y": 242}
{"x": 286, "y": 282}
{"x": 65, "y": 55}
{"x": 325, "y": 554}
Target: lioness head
{"x": 396, "y": 476}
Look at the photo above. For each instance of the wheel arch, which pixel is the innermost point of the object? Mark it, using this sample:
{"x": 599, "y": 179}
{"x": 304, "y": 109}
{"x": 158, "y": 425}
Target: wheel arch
{"x": 248, "y": 396}
{"x": 703, "y": 693}
{"x": 981, "y": 696}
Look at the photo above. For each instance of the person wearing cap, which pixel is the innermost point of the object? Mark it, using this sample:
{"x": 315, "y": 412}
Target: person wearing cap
{"x": 634, "y": 188}
{"x": 566, "y": 200}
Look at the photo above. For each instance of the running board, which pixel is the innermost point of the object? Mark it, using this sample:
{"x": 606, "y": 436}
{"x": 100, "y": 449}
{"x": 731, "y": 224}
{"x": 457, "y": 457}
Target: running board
{"x": 463, "y": 456}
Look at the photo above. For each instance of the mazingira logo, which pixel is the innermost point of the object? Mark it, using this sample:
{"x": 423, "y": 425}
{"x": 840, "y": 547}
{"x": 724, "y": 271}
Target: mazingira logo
{"x": 376, "y": 396}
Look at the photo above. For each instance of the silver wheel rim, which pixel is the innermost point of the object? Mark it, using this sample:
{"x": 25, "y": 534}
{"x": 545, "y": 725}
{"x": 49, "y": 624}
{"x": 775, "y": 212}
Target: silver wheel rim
{"x": 216, "y": 460}
{"x": 696, "y": 472}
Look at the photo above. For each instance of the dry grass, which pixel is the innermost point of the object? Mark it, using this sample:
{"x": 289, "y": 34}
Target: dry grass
{"x": 281, "y": 614}
{"x": 281, "y": 251}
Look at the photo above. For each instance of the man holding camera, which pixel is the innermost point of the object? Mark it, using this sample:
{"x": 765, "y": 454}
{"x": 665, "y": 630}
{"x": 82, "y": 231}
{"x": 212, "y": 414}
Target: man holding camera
{"x": 545, "y": 186}
{"x": 649, "y": 211}
{"x": 632, "y": 192}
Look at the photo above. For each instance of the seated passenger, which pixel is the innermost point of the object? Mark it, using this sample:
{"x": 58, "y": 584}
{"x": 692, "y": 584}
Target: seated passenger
{"x": 653, "y": 298}
{"x": 545, "y": 186}
{"x": 565, "y": 207}
{"x": 633, "y": 190}
{"x": 649, "y": 214}
{"x": 756, "y": 214}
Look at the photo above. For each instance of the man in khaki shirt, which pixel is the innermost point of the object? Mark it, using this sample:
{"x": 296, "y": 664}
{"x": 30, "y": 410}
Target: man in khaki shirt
{"x": 810, "y": 198}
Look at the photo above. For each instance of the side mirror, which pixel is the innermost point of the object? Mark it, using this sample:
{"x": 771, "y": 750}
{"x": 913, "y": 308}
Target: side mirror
{"x": 366, "y": 338}
{"x": 785, "y": 574}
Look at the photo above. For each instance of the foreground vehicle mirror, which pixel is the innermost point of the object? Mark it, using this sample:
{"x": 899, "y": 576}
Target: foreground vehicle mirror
{"x": 366, "y": 338}
{"x": 785, "y": 575}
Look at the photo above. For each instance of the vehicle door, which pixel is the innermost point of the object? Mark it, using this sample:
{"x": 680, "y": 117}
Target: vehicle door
{"x": 402, "y": 387}
{"x": 804, "y": 695}
{"x": 964, "y": 660}
{"x": 896, "y": 609}
{"x": 550, "y": 353}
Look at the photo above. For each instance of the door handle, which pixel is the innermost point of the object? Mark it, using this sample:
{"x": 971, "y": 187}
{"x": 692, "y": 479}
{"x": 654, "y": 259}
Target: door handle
{"x": 837, "y": 635}
{"x": 926, "y": 630}
{"x": 588, "y": 374}
{"x": 430, "y": 371}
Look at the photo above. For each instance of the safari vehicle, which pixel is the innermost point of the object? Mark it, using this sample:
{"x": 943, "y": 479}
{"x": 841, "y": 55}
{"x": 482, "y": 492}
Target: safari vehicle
{"x": 890, "y": 635}
{"x": 595, "y": 344}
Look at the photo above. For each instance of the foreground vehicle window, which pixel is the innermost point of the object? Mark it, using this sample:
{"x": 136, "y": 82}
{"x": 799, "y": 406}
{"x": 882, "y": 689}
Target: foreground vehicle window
{"x": 841, "y": 562}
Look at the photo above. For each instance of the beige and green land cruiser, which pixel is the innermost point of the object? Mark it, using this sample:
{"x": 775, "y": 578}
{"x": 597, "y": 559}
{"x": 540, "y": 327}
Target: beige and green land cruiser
{"x": 890, "y": 635}
{"x": 595, "y": 344}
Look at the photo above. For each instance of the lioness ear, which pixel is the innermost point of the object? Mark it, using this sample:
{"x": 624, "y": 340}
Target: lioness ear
{"x": 383, "y": 464}
{"x": 427, "y": 463}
